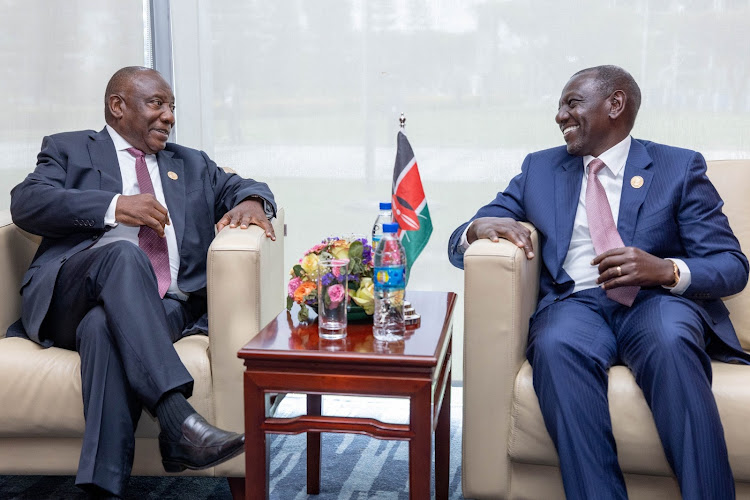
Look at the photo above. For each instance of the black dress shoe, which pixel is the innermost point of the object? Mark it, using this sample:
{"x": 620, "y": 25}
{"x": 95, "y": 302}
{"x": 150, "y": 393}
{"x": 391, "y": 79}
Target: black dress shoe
{"x": 201, "y": 446}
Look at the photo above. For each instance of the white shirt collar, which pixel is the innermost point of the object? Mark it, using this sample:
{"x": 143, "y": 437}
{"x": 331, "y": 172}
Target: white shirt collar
{"x": 615, "y": 157}
{"x": 120, "y": 143}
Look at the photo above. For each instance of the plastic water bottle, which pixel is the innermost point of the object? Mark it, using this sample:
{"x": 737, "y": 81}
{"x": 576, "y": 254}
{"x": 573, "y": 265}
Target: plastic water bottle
{"x": 390, "y": 285}
{"x": 384, "y": 217}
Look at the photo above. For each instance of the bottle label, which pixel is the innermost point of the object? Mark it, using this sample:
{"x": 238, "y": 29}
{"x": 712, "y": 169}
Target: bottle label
{"x": 389, "y": 278}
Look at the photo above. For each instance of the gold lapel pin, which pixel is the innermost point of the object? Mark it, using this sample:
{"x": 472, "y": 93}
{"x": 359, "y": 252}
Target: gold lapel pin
{"x": 173, "y": 176}
{"x": 636, "y": 181}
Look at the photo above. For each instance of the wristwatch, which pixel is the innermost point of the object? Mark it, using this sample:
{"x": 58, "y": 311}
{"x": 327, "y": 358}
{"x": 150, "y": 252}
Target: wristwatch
{"x": 267, "y": 207}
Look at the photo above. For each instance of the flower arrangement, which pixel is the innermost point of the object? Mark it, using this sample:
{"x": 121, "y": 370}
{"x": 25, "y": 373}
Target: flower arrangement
{"x": 303, "y": 284}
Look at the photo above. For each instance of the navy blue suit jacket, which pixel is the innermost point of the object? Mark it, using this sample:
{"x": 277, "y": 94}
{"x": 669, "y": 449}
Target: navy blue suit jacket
{"x": 676, "y": 213}
{"x": 66, "y": 197}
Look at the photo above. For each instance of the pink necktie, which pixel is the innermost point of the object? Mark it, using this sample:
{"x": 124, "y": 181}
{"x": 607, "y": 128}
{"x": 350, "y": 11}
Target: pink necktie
{"x": 602, "y": 227}
{"x": 149, "y": 241}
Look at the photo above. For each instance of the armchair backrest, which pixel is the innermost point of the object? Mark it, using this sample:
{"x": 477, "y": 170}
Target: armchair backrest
{"x": 732, "y": 180}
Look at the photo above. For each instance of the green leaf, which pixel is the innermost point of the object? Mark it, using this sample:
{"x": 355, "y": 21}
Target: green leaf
{"x": 289, "y": 303}
{"x": 355, "y": 251}
{"x": 297, "y": 270}
{"x": 304, "y": 313}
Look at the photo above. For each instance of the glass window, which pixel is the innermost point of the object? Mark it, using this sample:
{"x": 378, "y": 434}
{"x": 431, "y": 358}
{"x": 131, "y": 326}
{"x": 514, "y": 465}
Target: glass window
{"x": 307, "y": 97}
{"x": 55, "y": 60}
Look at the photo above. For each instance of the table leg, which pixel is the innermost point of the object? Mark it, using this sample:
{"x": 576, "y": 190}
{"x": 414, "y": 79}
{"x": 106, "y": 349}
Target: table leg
{"x": 313, "y": 447}
{"x": 443, "y": 445}
{"x": 256, "y": 451}
{"x": 237, "y": 487}
{"x": 420, "y": 446}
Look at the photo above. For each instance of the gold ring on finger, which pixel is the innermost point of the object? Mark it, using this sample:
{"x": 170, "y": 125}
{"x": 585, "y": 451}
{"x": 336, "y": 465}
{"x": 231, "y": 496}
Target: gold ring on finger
{"x": 619, "y": 271}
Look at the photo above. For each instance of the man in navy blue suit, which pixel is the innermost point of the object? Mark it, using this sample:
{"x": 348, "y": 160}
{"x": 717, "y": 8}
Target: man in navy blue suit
{"x": 676, "y": 255}
{"x": 126, "y": 220}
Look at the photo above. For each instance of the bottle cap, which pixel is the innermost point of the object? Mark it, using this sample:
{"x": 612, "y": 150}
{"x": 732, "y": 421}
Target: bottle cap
{"x": 390, "y": 227}
{"x": 385, "y": 206}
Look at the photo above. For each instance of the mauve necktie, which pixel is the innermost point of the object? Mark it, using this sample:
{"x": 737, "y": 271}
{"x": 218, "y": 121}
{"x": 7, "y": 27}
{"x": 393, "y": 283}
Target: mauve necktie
{"x": 602, "y": 227}
{"x": 149, "y": 241}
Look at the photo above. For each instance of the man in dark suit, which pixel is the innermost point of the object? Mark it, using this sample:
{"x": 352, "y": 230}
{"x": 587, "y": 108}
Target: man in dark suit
{"x": 636, "y": 257}
{"x": 126, "y": 220}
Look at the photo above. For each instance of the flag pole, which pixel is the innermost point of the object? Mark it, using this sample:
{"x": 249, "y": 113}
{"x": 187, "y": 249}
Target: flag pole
{"x": 411, "y": 317}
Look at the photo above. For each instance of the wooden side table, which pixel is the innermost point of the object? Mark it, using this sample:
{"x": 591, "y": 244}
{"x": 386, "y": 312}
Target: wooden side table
{"x": 288, "y": 357}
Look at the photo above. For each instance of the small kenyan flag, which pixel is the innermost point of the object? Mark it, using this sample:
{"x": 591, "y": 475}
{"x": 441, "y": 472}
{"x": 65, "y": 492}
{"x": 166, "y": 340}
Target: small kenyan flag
{"x": 409, "y": 203}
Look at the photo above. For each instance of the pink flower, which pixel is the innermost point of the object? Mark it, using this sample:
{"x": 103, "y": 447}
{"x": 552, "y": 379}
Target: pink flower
{"x": 336, "y": 294}
{"x": 294, "y": 283}
{"x": 336, "y": 266}
{"x": 317, "y": 248}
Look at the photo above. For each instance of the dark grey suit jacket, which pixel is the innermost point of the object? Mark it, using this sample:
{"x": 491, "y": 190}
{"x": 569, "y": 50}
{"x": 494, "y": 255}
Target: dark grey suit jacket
{"x": 66, "y": 197}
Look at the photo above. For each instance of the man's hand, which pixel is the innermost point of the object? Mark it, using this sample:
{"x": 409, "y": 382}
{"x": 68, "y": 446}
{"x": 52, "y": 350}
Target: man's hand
{"x": 494, "y": 228}
{"x": 246, "y": 213}
{"x": 142, "y": 210}
{"x": 632, "y": 266}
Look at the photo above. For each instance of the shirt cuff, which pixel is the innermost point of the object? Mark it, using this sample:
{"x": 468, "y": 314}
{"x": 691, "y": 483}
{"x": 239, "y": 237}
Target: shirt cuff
{"x": 109, "y": 217}
{"x": 463, "y": 244}
{"x": 685, "y": 280}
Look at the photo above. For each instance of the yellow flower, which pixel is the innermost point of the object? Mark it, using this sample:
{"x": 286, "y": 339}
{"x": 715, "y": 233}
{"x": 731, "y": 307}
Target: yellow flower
{"x": 365, "y": 296}
{"x": 310, "y": 265}
{"x": 340, "y": 252}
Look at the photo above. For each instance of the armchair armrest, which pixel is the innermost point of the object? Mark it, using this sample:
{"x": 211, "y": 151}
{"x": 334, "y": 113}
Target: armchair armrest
{"x": 500, "y": 294}
{"x": 245, "y": 276}
{"x": 17, "y": 248}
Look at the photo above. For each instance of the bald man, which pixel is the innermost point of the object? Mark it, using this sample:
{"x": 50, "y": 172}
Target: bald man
{"x": 636, "y": 255}
{"x": 126, "y": 220}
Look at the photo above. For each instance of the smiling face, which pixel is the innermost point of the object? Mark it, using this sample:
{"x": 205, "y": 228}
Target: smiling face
{"x": 143, "y": 111}
{"x": 588, "y": 119}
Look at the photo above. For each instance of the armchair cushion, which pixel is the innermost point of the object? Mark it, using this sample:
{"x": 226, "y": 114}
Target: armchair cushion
{"x": 44, "y": 386}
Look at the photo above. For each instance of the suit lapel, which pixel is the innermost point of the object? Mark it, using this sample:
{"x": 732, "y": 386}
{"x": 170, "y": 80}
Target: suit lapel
{"x": 173, "y": 182}
{"x": 632, "y": 197}
{"x": 104, "y": 159}
{"x": 567, "y": 192}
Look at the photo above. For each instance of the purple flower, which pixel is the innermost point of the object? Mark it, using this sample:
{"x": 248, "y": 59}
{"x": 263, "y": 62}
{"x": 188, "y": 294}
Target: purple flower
{"x": 326, "y": 279}
{"x": 366, "y": 253}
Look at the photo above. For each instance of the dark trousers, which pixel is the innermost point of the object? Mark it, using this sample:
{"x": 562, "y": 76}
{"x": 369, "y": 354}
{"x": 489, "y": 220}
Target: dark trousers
{"x": 662, "y": 339}
{"x": 106, "y": 306}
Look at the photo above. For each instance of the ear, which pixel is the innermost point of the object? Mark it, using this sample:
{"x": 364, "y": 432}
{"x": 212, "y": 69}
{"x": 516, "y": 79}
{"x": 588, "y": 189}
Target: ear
{"x": 617, "y": 101}
{"x": 115, "y": 104}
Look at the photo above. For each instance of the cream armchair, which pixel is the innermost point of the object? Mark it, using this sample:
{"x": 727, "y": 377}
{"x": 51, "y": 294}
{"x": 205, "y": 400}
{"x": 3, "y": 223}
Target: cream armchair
{"x": 41, "y": 414}
{"x": 507, "y": 452}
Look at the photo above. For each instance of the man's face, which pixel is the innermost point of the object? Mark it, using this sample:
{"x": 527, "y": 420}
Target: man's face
{"x": 583, "y": 117}
{"x": 147, "y": 112}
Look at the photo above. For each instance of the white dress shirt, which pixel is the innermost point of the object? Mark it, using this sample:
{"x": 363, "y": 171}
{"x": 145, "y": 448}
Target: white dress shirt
{"x": 130, "y": 187}
{"x": 581, "y": 250}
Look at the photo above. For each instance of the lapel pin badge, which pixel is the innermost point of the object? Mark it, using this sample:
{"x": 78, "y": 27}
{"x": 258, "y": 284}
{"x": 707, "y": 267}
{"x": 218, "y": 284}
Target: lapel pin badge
{"x": 636, "y": 181}
{"x": 174, "y": 177}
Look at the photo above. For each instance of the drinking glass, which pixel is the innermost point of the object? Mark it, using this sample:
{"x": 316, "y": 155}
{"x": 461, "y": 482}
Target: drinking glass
{"x": 332, "y": 297}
